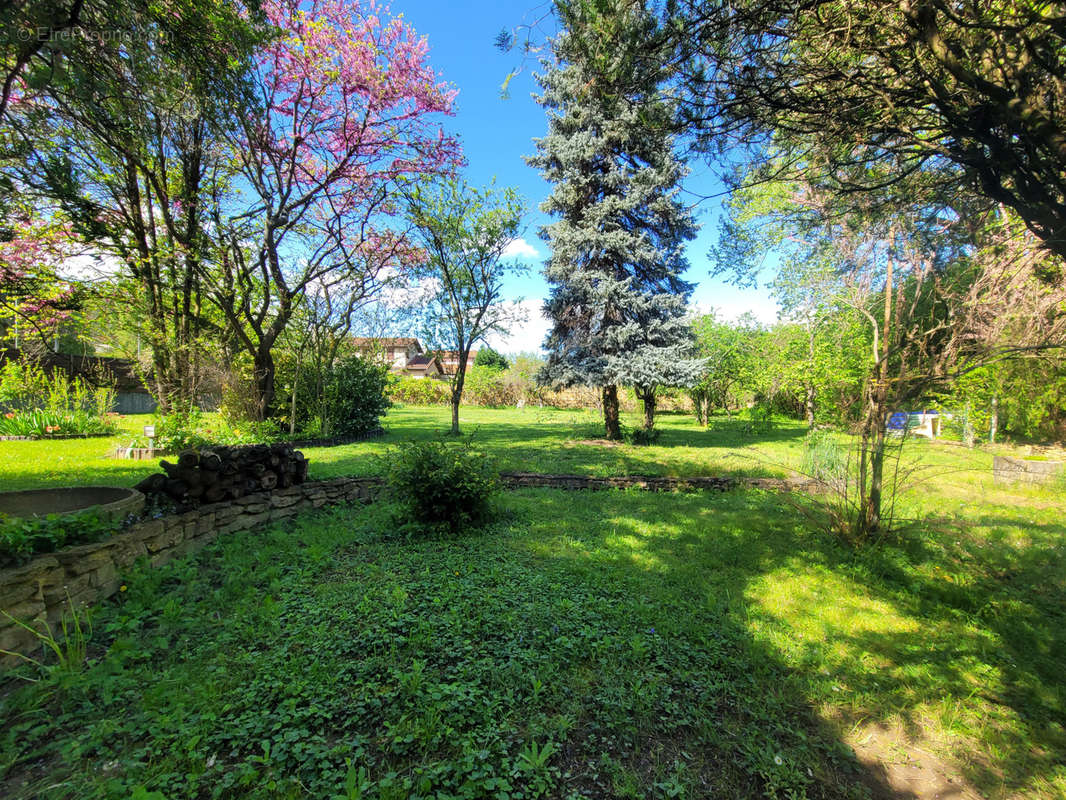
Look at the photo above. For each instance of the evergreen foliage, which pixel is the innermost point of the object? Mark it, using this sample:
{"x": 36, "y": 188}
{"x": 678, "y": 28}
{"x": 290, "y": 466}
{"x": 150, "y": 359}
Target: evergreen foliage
{"x": 617, "y": 299}
{"x": 487, "y": 357}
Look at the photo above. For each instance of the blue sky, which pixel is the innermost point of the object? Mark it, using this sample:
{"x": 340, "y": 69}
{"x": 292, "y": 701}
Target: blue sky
{"x": 497, "y": 132}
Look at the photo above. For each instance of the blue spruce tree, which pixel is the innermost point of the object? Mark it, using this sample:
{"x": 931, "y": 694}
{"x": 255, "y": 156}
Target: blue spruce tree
{"x": 617, "y": 299}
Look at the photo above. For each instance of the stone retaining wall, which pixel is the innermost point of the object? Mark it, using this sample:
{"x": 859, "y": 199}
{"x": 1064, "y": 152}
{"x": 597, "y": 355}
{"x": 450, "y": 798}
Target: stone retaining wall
{"x": 38, "y": 592}
{"x": 1020, "y": 470}
{"x": 41, "y": 591}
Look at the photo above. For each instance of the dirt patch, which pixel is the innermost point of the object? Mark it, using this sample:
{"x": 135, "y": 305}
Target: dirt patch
{"x": 905, "y": 769}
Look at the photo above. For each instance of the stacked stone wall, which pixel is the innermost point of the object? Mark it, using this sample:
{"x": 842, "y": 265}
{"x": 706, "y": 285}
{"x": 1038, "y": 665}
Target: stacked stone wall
{"x": 42, "y": 591}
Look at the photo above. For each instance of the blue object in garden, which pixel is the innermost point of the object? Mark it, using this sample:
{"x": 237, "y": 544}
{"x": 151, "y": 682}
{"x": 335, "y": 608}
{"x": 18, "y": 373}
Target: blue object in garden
{"x": 897, "y": 421}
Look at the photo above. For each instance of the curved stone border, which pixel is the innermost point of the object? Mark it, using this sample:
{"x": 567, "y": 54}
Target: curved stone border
{"x": 49, "y": 436}
{"x": 122, "y": 502}
{"x": 38, "y": 592}
{"x": 536, "y": 480}
{"x": 337, "y": 441}
{"x": 41, "y": 591}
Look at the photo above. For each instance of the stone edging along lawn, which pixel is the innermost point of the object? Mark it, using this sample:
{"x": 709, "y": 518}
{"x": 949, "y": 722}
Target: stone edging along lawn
{"x": 47, "y": 437}
{"x": 43, "y": 590}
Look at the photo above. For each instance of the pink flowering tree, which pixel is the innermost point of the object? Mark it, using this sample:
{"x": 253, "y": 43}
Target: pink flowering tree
{"x": 349, "y": 113}
{"x": 34, "y": 300}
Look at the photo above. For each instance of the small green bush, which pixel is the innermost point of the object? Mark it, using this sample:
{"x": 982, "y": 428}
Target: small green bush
{"x": 180, "y": 430}
{"x": 489, "y": 386}
{"x": 442, "y": 484}
{"x": 23, "y": 538}
{"x": 192, "y": 429}
{"x": 641, "y": 436}
{"x": 760, "y": 419}
{"x": 354, "y": 399}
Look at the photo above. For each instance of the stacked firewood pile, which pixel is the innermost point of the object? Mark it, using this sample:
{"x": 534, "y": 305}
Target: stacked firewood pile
{"x": 227, "y": 473}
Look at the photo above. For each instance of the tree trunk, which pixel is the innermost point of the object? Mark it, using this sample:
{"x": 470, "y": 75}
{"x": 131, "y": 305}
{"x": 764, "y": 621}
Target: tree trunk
{"x": 809, "y": 399}
{"x": 457, "y": 391}
{"x": 611, "y": 422}
{"x": 648, "y": 397}
{"x": 697, "y": 406}
{"x": 872, "y": 520}
{"x": 292, "y": 407}
{"x": 264, "y": 382}
{"x": 877, "y": 418}
{"x": 993, "y": 423}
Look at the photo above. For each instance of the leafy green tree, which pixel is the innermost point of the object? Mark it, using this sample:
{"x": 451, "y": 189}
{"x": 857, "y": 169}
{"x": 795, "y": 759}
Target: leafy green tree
{"x": 487, "y": 357}
{"x": 730, "y": 353}
{"x": 122, "y": 139}
{"x": 463, "y": 232}
{"x": 617, "y": 299}
{"x": 29, "y": 32}
{"x": 896, "y": 265}
{"x": 967, "y": 94}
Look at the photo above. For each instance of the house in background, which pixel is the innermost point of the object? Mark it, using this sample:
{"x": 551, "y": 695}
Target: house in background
{"x": 449, "y": 360}
{"x": 426, "y": 365}
{"x": 397, "y": 352}
{"x": 404, "y": 355}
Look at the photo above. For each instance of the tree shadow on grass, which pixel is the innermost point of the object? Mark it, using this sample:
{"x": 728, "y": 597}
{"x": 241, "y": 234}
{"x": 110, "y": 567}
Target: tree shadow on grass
{"x": 743, "y": 706}
{"x": 553, "y": 442}
{"x": 968, "y": 628}
{"x": 658, "y": 641}
{"x": 894, "y": 631}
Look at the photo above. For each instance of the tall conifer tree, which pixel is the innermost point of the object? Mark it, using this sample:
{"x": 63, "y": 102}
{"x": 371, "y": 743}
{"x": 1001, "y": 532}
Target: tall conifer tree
{"x": 617, "y": 299}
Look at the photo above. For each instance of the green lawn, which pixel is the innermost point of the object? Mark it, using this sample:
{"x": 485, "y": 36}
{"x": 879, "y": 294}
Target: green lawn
{"x": 529, "y": 439}
{"x": 614, "y": 644}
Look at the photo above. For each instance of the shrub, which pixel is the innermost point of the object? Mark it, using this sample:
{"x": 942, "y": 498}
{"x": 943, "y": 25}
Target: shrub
{"x": 489, "y": 386}
{"x": 442, "y": 484}
{"x": 180, "y": 430}
{"x": 354, "y": 400}
{"x": 641, "y": 436}
{"x": 188, "y": 430}
{"x": 760, "y": 419}
{"x": 419, "y": 391}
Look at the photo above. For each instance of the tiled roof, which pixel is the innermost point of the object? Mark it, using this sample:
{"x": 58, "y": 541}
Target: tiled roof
{"x": 385, "y": 341}
{"x": 421, "y": 363}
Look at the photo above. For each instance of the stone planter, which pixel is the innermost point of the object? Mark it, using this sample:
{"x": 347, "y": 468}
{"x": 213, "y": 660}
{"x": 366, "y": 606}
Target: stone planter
{"x": 108, "y": 502}
{"x": 1021, "y": 470}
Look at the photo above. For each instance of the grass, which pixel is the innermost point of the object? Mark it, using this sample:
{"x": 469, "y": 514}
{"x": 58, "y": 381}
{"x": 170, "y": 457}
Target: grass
{"x": 615, "y": 644}
{"x": 529, "y": 439}
{"x": 73, "y": 462}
